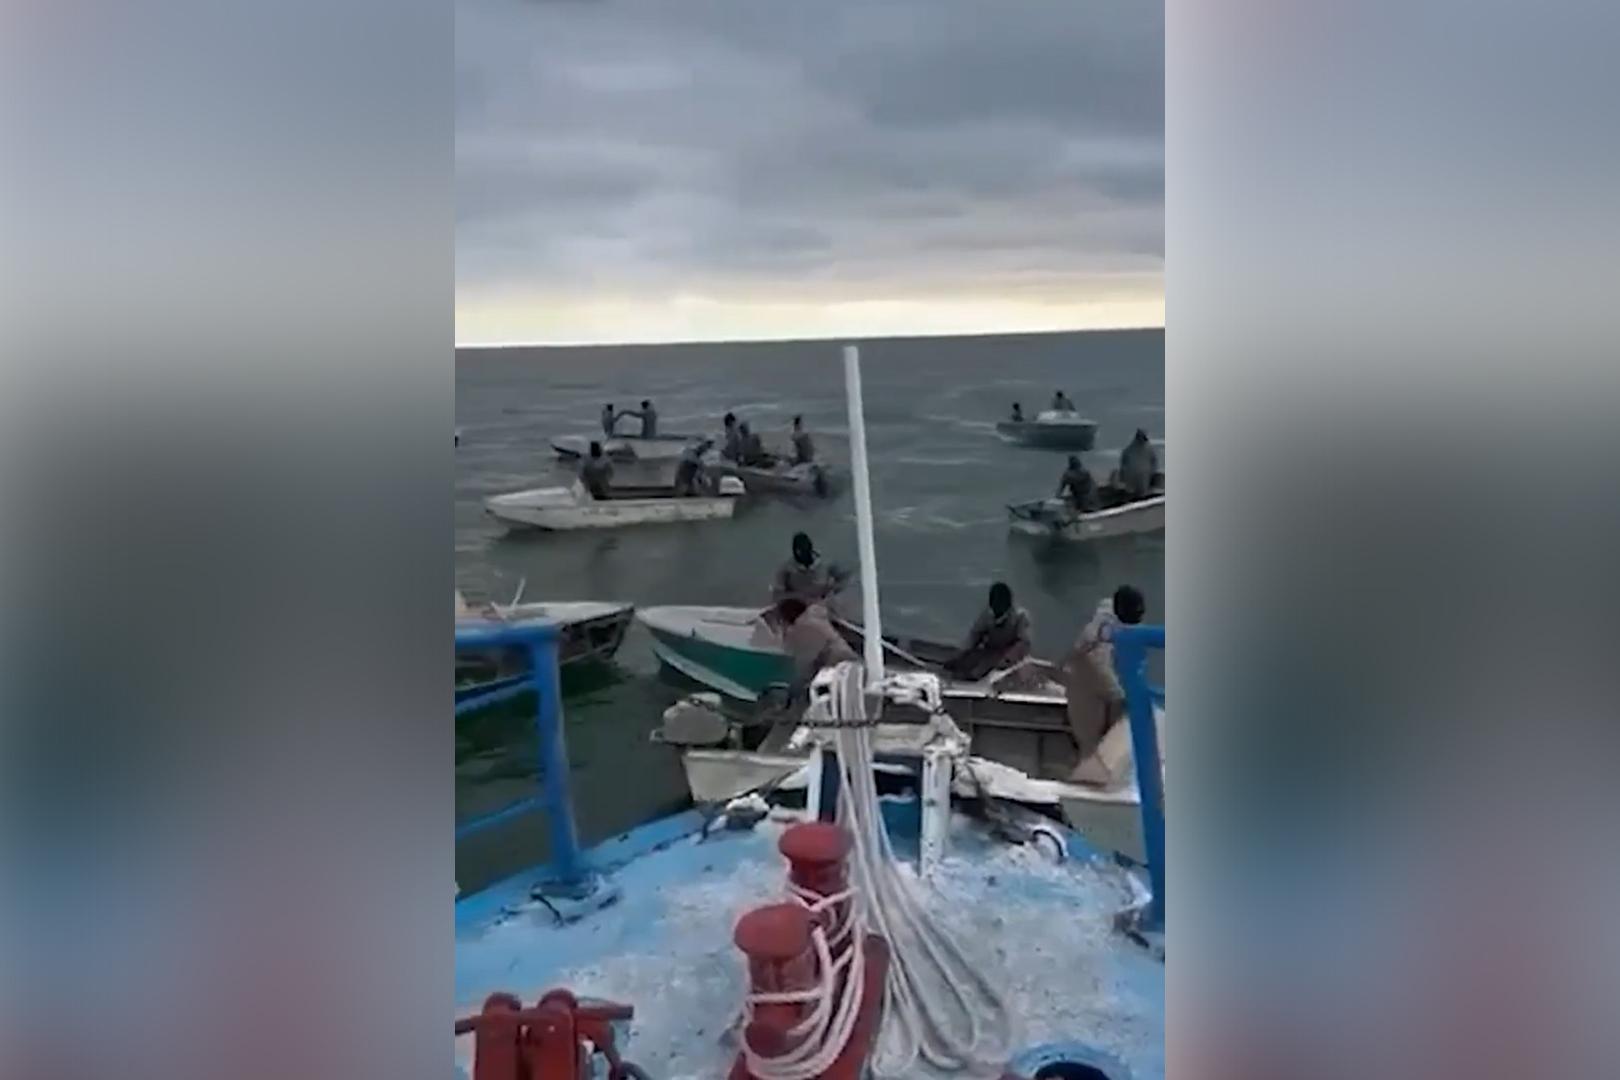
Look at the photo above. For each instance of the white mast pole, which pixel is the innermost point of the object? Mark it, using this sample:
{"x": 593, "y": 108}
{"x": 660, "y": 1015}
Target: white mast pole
{"x": 871, "y": 621}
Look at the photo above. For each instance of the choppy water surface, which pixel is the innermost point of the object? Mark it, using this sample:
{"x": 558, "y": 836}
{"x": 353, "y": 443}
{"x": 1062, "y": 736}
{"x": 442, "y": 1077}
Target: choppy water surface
{"x": 941, "y": 481}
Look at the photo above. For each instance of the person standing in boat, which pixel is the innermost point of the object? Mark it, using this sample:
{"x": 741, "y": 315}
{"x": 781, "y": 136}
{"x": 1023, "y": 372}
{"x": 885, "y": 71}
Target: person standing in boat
{"x": 1017, "y": 413}
{"x": 689, "y": 474}
{"x": 1096, "y": 698}
{"x": 751, "y": 450}
{"x": 1078, "y": 487}
{"x": 649, "y": 419}
{"x": 804, "y": 448}
{"x": 810, "y": 642}
{"x": 610, "y": 420}
{"x": 596, "y": 473}
{"x": 1000, "y": 637}
{"x": 805, "y": 577}
{"x": 1138, "y": 463}
{"x": 1061, "y": 402}
{"x": 731, "y": 448}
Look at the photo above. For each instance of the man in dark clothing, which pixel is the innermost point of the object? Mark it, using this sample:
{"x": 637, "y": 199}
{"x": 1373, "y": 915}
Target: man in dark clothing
{"x": 1078, "y": 486}
{"x": 1000, "y": 637}
{"x": 805, "y": 577}
{"x": 731, "y": 447}
{"x": 752, "y": 451}
{"x": 1138, "y": 462}
{"x": 649, "y": 419}
{"x": 1017, "y": 413}
{"x": 609, "y": 420}
{"x": 596, "y": 473}
{"x": 804, "y": 450}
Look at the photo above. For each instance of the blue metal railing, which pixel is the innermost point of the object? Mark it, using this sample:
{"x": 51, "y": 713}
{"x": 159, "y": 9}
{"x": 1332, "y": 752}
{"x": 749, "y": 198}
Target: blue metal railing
{"x": 555, "y": 797}
{"x": 1131, "y": 646}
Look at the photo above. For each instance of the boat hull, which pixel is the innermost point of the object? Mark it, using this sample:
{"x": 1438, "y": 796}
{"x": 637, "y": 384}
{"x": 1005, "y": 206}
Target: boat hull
{"x": 624, "y": 447}
{"x": 807, "y": 480}
{"x": 1142, "y": 516}
{"x": 1077, "y": 435}
{"x": 515, "y": 512}
{"x": 587, "y": 634}
{"x": 724, "y": 656}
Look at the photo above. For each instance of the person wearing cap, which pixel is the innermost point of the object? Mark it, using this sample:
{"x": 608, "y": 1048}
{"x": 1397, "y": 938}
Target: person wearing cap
{"x": 999, "y": 638}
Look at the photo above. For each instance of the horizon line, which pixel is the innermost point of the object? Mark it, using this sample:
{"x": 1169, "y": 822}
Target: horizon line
{"x": 850, "y": 339}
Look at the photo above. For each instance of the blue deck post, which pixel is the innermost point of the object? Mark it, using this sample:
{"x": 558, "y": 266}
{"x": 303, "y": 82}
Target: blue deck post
{"x": 569, "y": 873}
{"x": 555, "y": 789}
{"x": 1131, "y": 644}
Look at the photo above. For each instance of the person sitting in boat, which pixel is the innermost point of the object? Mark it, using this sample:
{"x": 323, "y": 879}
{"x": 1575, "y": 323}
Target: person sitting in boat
{"x": 804, "y": 448}
{"x": 689, "y": 475}
{"x": 751, "y": 449}
{"x": 1078, "y": 486}
{"x": 1061, "y": 402}
{"x": 731, "y": 447}
{"x": 1000, "y": 637}
{"x": 1138, "y": 462}
{"x": 596, "y": 473}
{"x": 610, "y": 420}
{"x": 1096, "y": 699}
{"x": 805, "y": 577}
{"x": 649, "y": 419}
{"x": 1017, "y": 413}
{"x": 810, "y": 642}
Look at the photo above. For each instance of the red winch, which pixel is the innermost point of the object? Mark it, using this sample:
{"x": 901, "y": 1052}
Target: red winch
{"x": 552, "y": 1041}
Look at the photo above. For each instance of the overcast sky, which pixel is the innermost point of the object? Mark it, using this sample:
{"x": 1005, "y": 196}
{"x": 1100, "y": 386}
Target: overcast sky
{"x": 645, "y": 170}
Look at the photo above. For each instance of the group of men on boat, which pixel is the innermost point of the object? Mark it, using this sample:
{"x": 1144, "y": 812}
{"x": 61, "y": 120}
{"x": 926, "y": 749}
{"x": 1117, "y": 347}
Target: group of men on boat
{"x": 1000, "y": 639}
{"x": 740, "y": 446}
{"x": 1133, "y": 479}
{"x": 1061, "y": 402}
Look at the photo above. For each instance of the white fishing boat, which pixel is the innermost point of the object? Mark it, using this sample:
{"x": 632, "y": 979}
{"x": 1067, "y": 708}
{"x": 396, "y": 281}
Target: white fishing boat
{"x": 1056, "y": 519}
{"x": 624, "y": 448}
{"x": 809, "y": 479}
{"x": 1051, "y": 430}
{"x": 569, "y": 508}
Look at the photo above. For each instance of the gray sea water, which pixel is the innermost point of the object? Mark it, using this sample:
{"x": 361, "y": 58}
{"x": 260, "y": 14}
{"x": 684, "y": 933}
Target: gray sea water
{"x": 941, "y": 480}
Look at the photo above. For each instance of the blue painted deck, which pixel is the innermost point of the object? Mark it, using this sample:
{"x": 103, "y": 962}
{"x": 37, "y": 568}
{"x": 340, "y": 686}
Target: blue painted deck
{"x": 665, "y": 945}
{"x": 1045, "y": 930}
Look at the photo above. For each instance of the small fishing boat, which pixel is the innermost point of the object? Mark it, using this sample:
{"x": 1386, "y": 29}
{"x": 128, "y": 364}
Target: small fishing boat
{"x": 1056, "y": 519}
{"x": 587, "y": 633}
{"x": 568, "y": 508}
{"x": 624, "y": 448}
{"x": 810, "y": 479}
{"x": 1017, "y": 721}
{"x": 1051, "y": 430}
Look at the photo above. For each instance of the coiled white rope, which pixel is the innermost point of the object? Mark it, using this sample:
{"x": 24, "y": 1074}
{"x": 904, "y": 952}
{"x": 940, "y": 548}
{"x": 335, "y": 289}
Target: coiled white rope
{"x": 940, "y": 1004}
{"x": 821, "y": 1036}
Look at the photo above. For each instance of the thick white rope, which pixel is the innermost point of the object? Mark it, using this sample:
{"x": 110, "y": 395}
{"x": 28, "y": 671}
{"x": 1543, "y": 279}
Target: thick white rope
{"x": 940, "y": 1004}
{"x": 822, "y": 1035}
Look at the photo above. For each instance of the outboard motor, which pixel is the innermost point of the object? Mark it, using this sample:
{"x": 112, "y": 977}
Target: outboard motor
{"x": 695, "y": 721}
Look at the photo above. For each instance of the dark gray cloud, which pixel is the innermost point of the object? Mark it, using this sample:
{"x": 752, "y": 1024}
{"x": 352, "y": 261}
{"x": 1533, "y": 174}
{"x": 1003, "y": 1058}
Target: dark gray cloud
{"x": 725, "y": 144}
